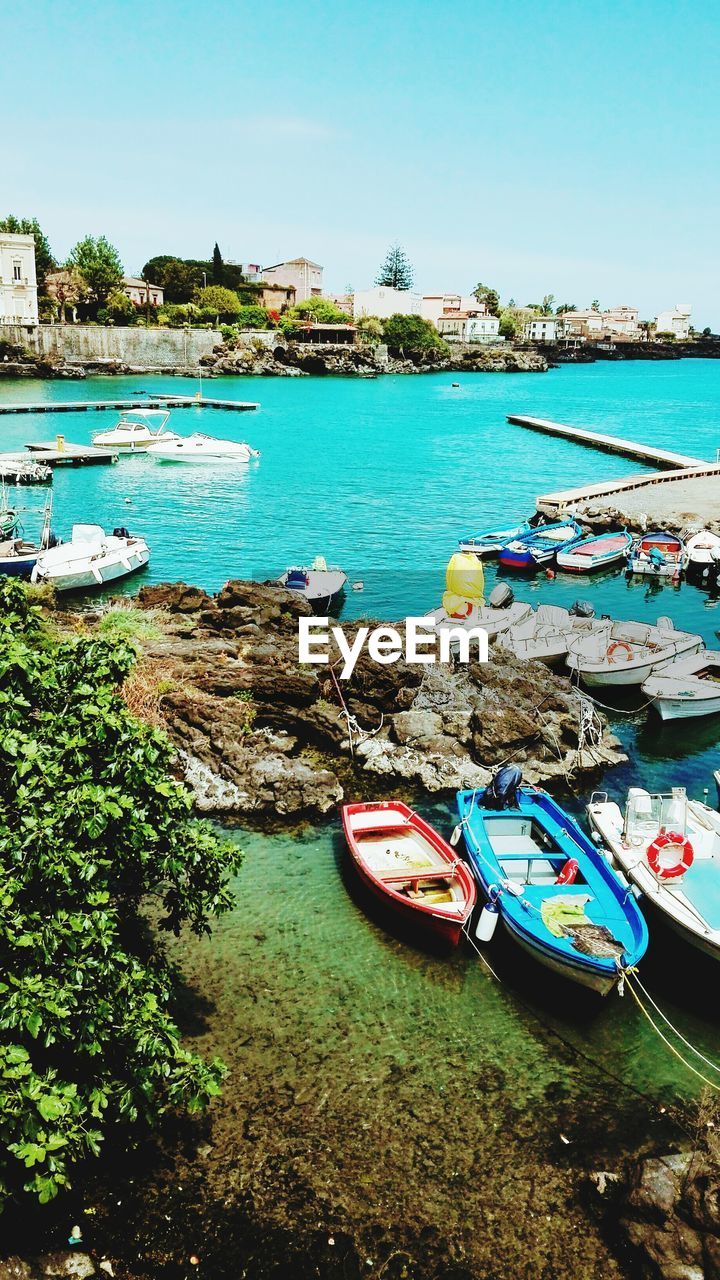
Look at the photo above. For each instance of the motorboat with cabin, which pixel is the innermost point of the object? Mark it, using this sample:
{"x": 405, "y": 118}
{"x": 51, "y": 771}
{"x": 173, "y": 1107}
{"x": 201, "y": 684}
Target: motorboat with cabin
{"x": 201, "y": 448}
{"x": 410, "y": 868}
{"x": 626, "y": 653}
{"x": 598, "y": 551}
{"x": 658, "y": 555}
{"x": 667, "y": 847}
{"x": 92, "y": 558}
{"x": 136, "y": 431}
{"x": 687, "y": 688}
{"x": 321, "y": 584}
{"x": 548, "y": 884}
{"x": 540, "y": 545}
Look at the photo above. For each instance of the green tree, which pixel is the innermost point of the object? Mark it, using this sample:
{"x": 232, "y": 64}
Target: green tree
{"x": 513, "y": 320}
{"x": 223, "y": 303}
{"x": 413, "y": 337}
{"x": 92, "y": 826}
{"x": 396, "y": 271}
{"x": 119, "y": 309}
{"x": 370, "y": 329}
{"x": 564, "y": 308}
{"x": 177, "y": 279}
{"x": 218, "y": 271}
{"x": 44, "y": 260}
{"x": 648, "y": 328}
{"x": 595, "y": 305}
{"x": 321, "y": 310}
{"x": 252, "y": 317}
{"x": 99, "y": 262}
{"x": 490, "y": 298}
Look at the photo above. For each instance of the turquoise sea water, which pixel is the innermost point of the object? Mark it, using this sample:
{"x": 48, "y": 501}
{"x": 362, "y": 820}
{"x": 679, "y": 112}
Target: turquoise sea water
{"x": 383, "y": 477}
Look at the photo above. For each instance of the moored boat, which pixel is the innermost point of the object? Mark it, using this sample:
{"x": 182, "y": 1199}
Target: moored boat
{"x": 540, "y": 545}
{"x": 625, "y": 653}
{"x": 702, "y": 559}
{"x": 668, "y": 847}
{"x": 410, "y": 868}
{"x": 553, "y": 890}
{"x": 659, "y": 555}
{"x": 687, "y": 688}
{"x": 18, "y": 557}
{"x": 319, "y": 583}
{"x": 546, "y": 635}
{"x": 490, "y": 541}
{"x": 599, "y": 551}
{"x": 201, "y": 448}
{"x": 136, "y": 431}
{"x": 91, "y": 558}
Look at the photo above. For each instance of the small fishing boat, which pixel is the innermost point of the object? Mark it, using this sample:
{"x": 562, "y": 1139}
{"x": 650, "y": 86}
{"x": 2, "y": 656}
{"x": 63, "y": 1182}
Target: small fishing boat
{"x": 686, "y": 688}
{"x": 18, "y": 557}
{"x": 540, "y": 545}
{"x": 625, "y": 653}
{"x": 659, "y": 555}
{"x": 552, "y": 889}
{"x": 320, "y": 584}
{"x": 136, "y": 431}
{"x": 668, "y": 847}
{"x": 546, "y": 635}
{"x": 496, "y": 617}
{"x": 409, "y": 867}
{"x": 91, "y": 558}
{"x": 702, "y": 558}
{"x": 490, "y": 541}
{"x": 200, "y": 448}
{"x": 599, "y": 551}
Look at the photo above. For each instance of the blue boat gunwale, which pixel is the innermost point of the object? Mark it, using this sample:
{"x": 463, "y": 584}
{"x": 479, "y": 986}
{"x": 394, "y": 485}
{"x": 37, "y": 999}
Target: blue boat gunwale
{"x": 525, "y": 921}
{"x": 520, "y": 549}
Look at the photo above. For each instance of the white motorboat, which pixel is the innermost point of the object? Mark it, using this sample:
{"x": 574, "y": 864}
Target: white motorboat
{"x": 546, "y": 635}
{"x": 702, "y": 558}
{"x": 625, "y": 653}
{"x": 136, "y": 431}
{"x": 201, "y": 448}
{"x": 668, "y": 847}
{"x": 91, "y": 558}
{"x": 688, "y": 687}
{"x": 496, "y": 617}
{"x": 320, "y": 584}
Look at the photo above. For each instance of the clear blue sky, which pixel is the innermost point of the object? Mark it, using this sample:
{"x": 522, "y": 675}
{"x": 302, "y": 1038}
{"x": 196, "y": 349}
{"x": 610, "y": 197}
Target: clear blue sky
{"x": 566, "y": 148}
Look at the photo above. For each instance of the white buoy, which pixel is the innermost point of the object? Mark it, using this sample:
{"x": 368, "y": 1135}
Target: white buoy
{"x": 487, "y": 924}
{"x": 456, "y": 834}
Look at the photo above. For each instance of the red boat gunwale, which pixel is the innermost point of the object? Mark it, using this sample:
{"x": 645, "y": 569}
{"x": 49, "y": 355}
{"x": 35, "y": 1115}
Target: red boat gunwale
{"x": 394, "y": 816}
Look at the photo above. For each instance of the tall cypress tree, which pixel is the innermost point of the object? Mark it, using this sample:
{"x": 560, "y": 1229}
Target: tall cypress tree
{"x": 396, "y": 271}
{"x": 218, "y": 269}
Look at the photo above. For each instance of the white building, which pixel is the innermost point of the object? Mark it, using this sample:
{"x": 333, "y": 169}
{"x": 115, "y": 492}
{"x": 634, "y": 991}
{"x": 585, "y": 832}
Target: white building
{"x": 463, "y": 326}
{"x": 434, "y": 305}
{"x": 18, "y": 282}
{"x": 300, "y": 274}
{"x": 543, "y": 329}
{"x": 676, "y": 321}
{"x": 382, "y": 301}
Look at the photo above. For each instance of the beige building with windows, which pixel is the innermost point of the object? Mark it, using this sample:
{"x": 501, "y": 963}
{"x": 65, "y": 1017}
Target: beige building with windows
{"x": 676, "y": 321}
{"x": 18, "y": 281}
{"x": 468, "y": 326}
{"x": 300, "y": 274}
{"x": 142, "y": 293}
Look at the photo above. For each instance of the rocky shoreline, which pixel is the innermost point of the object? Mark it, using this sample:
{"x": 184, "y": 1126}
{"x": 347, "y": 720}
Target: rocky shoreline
{"x": 265, "y": 739}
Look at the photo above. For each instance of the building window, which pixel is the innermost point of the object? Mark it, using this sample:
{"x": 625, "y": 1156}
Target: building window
{"x": 17, "y": 269}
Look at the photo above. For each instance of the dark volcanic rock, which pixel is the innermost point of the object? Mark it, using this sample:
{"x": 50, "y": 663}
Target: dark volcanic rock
{"x": 670, "y": 1212}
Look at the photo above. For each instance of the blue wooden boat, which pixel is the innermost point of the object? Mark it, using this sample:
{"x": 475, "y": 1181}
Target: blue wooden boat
{"x": 490, "y": 541}
{"x": 553, "y": 890}
{"x": 540, "y": 545}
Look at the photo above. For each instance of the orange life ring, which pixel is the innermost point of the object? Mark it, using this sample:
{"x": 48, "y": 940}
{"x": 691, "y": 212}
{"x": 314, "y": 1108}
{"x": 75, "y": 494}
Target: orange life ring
{"x": 657, "y": 852}
{"x": 464, "y": 611}
{"x": 612, "y": 649}
{"x": 569, "y": 872}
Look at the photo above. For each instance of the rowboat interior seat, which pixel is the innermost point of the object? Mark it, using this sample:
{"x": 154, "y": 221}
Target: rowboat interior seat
{"x": 553, "y": 615}
{"x": 634, "y": 632}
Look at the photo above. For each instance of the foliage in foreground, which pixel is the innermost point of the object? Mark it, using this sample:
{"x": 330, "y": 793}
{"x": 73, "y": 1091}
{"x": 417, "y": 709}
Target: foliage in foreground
{"x": 413, "y": 337}
{"x": 91, "y": 826}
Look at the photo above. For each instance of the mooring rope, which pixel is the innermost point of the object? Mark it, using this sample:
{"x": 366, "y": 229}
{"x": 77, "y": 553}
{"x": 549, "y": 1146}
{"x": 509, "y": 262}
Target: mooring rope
{"x": 688, "y": 1065}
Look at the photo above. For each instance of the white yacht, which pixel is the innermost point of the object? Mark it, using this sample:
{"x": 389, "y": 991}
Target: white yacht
{"x": 136, "y": 431}
{"x": 625, "y": 653}
{"x": 668, "y": 847}
{"x": 91, "y": 558}
{"x": 201, "y": 448}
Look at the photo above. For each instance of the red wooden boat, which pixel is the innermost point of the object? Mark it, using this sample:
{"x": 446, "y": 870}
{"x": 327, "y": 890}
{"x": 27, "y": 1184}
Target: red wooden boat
{"x": 410, "y": 867}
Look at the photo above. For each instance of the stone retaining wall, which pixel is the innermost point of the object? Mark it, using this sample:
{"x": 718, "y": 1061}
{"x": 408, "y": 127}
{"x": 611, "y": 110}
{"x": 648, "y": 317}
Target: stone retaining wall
{"x": 138, "y": 347}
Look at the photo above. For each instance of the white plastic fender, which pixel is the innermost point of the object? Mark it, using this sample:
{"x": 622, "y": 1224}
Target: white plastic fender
{"x": 487, "y": 924}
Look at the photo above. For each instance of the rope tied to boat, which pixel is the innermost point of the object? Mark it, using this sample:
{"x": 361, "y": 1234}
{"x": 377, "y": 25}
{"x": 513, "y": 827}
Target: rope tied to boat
{"x": 352, "y": 723}
{"x": 631, "y": 980}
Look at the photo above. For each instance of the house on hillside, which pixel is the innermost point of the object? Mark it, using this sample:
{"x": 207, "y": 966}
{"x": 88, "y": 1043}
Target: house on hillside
{"x": 434, "y": 305}
{"x": 544, "y": 329}
{"x": 18, "y": 281}
{"x": 468, "y": 326}
{"x": 300, "y": 274}
{"x": 142, "y": 293}
{"x": 382, "y": 301}
{"x": 676, "y": 321}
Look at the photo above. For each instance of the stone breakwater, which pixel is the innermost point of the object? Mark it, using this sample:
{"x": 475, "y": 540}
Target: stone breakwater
{"x": 263, "y": 737}
{"x": 298, "y": 359}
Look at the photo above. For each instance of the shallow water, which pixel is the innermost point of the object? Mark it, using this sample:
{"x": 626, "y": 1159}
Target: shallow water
{"x": 374, "y": 1083}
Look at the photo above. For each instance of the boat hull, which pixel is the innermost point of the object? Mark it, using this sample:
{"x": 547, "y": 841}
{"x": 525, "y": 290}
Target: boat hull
{"x": 447, "y": 931}
{"x": 686, "y": 708}
{"x": 85, "y": 578}
{"x": 602, "y": 984}
{"x": 17, "y": 566}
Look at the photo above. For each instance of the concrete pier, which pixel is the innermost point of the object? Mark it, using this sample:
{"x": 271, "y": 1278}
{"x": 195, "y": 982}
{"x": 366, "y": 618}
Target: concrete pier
{"x": 664, "y": 484}
{"x": 662, "y": 458}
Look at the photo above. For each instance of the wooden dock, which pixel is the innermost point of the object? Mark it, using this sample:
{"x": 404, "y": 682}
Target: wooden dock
{"x": 570, "y": 499}
{"x": 53, "y": 453}
{"x": 150, "y": 401}
{"x": 661, "y": 458}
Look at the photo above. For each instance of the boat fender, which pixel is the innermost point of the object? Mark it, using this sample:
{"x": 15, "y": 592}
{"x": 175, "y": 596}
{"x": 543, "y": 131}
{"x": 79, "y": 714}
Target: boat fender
{"x": 660, "y": 855}
{"x": 569, "y": 872}
{"x": 619, "y": 646}
{"x": 487, "y": 924}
